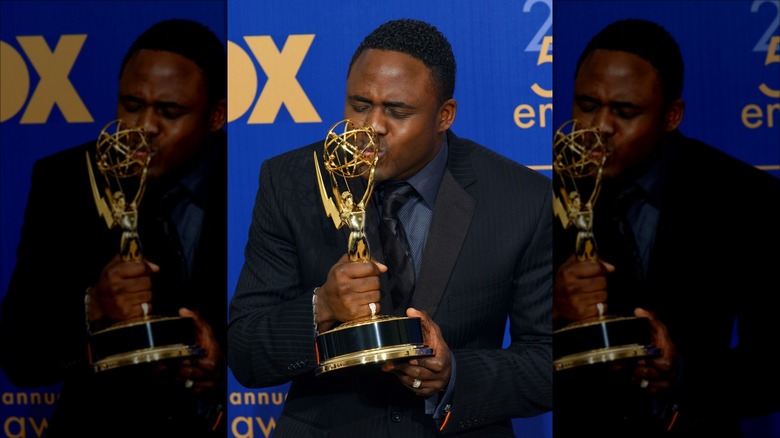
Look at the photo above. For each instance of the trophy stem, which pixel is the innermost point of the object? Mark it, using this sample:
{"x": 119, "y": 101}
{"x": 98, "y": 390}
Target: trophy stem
{"x": 585, "y": 245}
{"x": 130, "y": 244}
{"x": 358, "y": 244}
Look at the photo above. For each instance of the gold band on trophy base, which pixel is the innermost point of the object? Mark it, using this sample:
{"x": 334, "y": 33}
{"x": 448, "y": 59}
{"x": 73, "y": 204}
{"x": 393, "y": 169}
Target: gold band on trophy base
{"x": 578, "y": 163}
{"x": 149, "y": 355}
{"x": 122, "y": 157}
{"x": 351, "y": 151}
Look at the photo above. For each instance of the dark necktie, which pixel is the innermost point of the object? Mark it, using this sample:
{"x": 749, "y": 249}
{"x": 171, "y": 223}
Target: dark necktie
{"x": 395, "y": 245}
{"x": 161, "y": 245}
{"x": 624, "y": 202}
{"x": 617, "y": 245}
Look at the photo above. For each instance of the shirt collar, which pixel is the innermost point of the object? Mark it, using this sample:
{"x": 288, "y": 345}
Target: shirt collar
{"x": 651, "y": 182}
{"x": 428, "y": 179}
{"x": 195, "y": 184}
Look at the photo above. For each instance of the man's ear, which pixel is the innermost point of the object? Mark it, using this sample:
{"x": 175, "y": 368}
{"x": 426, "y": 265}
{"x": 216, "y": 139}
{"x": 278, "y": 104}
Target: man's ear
{"x": 218, "y": 115}
{"x": 447, "y": 112}
{"x": 674, "y": 115}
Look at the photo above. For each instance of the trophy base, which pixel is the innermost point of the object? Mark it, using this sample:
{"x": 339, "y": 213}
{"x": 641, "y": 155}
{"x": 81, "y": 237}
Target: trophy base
{"x": 373, "y": 339}
{"x": 146, "y": 340}
{"x": 604, "y": 340}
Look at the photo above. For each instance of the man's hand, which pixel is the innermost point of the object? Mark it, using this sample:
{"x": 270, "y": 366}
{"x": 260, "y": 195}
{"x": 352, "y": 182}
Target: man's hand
{"x": 202, "y": 373}
{"x": 122, "y": 290}
{"x": 348, "y": 291}
{"x": 579, "y": 287}
{"x": 658, "y": 373}
{"x": 433, "y": 372}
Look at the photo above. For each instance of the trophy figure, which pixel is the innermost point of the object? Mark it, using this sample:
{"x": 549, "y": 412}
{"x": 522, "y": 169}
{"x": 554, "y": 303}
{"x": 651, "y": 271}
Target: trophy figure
{"x": 351, "y": 154}
{"x": 122, "y": 157}
{"x": 578, "y": 162}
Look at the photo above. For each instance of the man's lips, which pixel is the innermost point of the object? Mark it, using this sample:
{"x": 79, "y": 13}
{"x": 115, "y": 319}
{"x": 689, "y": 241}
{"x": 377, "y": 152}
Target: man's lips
{"x": 370, "y": 154}
{"x": 144, "y": 154}
{"x": 599, "y": 154}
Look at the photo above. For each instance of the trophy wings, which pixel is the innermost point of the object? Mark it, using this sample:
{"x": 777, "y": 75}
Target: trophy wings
{"x": 100, "y": 202}
{"x": 330, "y": 207}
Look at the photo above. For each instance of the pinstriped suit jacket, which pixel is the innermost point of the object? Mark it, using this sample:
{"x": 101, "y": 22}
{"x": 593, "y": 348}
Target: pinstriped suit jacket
{"x": 44, "y": 305}
{"x": 488, "y": 258}
{"x": 714, "y": 262}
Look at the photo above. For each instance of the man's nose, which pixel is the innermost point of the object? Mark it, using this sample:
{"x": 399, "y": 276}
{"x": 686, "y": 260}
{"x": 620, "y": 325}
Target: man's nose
{"x": 376, "y": 119}
{"x": 604, "y": 120}
{"x": 149, "y": 120}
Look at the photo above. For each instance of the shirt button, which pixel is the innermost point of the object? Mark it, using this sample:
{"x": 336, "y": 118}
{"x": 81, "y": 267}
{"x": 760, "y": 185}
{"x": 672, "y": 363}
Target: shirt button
{"x": 396, "y": 417}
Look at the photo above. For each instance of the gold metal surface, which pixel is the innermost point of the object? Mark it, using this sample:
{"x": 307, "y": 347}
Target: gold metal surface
{"x": 376, "y": 355}
{"x": 351, "y": 151}
{"x": 579, "y": 155}
{"x": 600, "y": 320}
{"x": 122, "y": 155}
{"x": 366, "y": 320}
{"x": 578, "y": 162}
{"x": 135, "y": 322}
{"x": 146, "y": 355}
{"x": 602, "y": 355}
{"x": 348, "y": 155}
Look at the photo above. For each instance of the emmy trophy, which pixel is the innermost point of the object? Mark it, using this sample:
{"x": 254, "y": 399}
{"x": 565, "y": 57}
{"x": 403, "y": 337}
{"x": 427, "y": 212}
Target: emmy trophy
{"x": 123, "y": 156}
{"x": 578, "y": 162}
{"x": 347, "y": 155}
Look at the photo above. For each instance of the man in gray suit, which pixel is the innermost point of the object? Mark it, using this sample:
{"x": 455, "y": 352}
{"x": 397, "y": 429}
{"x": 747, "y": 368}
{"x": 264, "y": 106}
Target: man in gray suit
{"x": 479, "y": 228}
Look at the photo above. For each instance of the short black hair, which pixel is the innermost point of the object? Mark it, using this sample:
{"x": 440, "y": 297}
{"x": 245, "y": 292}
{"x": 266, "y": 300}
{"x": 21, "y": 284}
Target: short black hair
{"x": 192, "y": 40}
{"x": 651, "y": 42}
{"x": 420, "y": 40}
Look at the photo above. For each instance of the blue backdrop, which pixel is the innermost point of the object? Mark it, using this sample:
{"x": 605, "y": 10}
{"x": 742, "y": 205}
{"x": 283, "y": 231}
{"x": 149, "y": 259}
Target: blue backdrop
{"x": 58, "y": 87}
{"x": 287, "y": 71}
{"x": 731, "y": 50}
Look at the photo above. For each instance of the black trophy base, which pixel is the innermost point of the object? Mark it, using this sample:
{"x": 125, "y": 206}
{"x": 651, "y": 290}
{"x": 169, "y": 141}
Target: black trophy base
{"x": 604, "y": 340}
{"x": 373, "y": 339}
{"x": 147, "y": 340}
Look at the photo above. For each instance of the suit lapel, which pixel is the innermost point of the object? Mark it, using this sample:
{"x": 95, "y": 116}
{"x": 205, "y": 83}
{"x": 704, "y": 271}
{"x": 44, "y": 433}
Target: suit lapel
{"x": 451, "y": 219}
